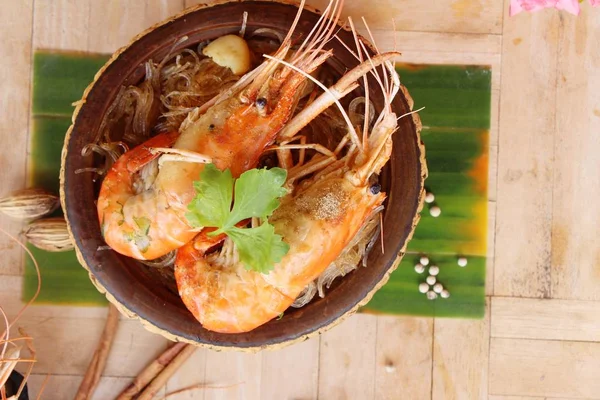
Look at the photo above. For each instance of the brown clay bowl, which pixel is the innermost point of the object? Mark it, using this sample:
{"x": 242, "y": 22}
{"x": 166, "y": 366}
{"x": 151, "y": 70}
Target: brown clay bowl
{"x": 141, "y": 294}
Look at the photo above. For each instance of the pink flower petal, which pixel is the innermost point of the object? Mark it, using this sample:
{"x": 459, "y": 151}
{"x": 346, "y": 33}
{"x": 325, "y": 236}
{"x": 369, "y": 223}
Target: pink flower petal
{"x": 595, "y": 3}
{"x": 515, "y": 7}
{"x": 571, "y": 6}
{"x": 530, "y": 5}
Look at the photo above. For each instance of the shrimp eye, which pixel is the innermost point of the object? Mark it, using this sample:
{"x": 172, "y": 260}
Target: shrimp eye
{"x": 211, "y": 127}
{"x": 375, "y": 188}
{"x": 261, "y": 102}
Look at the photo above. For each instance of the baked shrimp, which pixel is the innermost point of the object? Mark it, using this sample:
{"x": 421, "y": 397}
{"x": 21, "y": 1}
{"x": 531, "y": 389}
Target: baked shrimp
{"x": 317, "y": 219}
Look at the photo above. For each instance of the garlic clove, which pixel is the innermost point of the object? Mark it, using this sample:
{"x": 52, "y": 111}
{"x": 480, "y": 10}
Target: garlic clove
{"x": 230, "y": 51}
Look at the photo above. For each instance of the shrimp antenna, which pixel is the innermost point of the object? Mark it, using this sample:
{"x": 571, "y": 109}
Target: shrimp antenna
{"x": 410, "y": 113}
{"x": 365, "y": 130}
{"x": 322, "y": 35}
{"x": 388, "y": 92}
{"x": 374, "y": 45}
{"x": 326, "y": 89}
{"x": 333, "y": 22}
{"x": 316, "y": 31}
{"x": 347, "y": 47}
{"x": 360, "y": 45}
{"x": 391, "y": 89}
{"x": 296, "y": 19}
{"x": 374, "y": 71}
{"x": 341, "y": 88}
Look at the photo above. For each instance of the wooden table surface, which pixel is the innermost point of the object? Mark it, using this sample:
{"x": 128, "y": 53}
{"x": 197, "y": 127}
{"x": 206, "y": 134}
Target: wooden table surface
{"x": 541, "y": 334}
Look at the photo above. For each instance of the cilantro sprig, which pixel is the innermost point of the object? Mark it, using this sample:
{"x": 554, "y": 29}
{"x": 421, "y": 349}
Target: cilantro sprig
{"x": 256, "y": 194}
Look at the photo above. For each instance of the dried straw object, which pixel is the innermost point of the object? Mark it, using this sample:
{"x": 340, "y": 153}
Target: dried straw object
{"x": 49, "y": 234}
{"x": 96, "y": 367}
{"x": 10, "y": 348}
{"x": 29, "y": 204}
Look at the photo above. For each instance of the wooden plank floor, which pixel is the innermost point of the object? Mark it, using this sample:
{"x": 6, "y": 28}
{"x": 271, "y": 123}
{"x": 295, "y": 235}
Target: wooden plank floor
{"x": 540, "y": 338}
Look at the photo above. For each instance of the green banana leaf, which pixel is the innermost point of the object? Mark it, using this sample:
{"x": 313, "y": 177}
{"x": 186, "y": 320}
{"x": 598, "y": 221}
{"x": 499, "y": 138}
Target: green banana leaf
{"x": 456, "y": 123}
{"x": 59, "y": 79}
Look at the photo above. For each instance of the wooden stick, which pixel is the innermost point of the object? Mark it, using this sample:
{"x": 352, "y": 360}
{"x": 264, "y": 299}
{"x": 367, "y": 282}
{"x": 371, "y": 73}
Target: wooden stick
{"x": 150, "y": 372}
{"x": 167, "y": 373}
{"x": 96, "y": 367}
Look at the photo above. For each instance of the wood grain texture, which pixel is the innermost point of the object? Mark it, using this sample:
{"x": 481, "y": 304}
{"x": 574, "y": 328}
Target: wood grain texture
{"x": 191, "y": 373}
{"x": 433, "y": 42}
{"x": 544, "y": 368}
{"x": 576, "y": 169}
{"x": 292, "y": 372}
{"x": 14, "y": 103}
{"x": 61, "y": 24}
{"x": 462, "y": 16}
{"x": 454, "y": 16}
{"x": 495, "y": 106}
{"x": 442, "y": 48}
{"x": 525, "y": 155}
{"x": 403, "y": 358}
{"x": 347, "y": 359}
{"x": 492, "y": 173}
{"x": 66, "y": 345}
{"x": 544, "y": 150}
{"x": 242, "y": 371}
{"x": 114, "y": 25}
{"x": 64, "y": 387}
{"x": 460, "y": 355}
{"x": 545, "y": 319}
{"x": 422, "y": 46}
{"x": 491, "y": 248}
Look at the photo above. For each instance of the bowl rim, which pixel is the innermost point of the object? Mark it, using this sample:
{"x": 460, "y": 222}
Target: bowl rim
{"x": 151, "y": 327}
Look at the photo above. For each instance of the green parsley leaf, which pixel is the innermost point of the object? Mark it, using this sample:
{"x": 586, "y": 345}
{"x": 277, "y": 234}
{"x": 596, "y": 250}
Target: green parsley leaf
{"x": 259, "y": 248}
{"x": 257, "y": 194}
{"x": 212, "y": 204}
